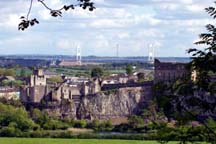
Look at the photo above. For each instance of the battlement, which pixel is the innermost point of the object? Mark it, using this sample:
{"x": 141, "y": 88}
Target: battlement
{"x": 38, "y": 72}
{"x": 38, "y": 78}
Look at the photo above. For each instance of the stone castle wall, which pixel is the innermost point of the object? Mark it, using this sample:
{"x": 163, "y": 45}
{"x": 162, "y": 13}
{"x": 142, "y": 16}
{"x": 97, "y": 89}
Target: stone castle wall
{"x": 169, "y": 71}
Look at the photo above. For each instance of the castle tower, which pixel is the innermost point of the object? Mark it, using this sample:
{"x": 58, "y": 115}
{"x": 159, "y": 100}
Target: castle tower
{"x": 78, "y": 55}
{"x": 38, "y": 78}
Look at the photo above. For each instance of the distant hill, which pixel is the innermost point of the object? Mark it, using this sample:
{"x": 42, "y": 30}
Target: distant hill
{"x": 94, "y": 58}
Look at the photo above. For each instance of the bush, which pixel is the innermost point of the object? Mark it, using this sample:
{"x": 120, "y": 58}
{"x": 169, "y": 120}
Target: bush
{"x": 54, "y": 125}
{"x": 37, "y": 134}
{"x": 136, "y": 121}
{"x": 122, "y": 128}
{"x": 16, "y": 116}
{"x": 8, "y": 132}
{"x": 80, "y": 123}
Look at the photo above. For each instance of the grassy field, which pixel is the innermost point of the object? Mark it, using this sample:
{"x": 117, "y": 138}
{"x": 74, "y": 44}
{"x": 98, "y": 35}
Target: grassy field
{"x": 70, "y": 141}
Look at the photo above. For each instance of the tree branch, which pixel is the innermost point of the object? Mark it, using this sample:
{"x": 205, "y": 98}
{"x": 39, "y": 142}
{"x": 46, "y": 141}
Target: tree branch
{"x": 41, "y": 1}
{"x": 26, "y": 22}
{"x": 29, "y": 11}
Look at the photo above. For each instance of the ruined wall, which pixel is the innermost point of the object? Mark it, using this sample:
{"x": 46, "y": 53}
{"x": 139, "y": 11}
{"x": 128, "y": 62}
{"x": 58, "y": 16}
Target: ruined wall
{"x": 167, "y": 71}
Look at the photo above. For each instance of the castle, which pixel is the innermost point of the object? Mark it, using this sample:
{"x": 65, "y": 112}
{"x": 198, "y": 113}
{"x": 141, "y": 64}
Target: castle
{"x": 70, "y": 89}
{"x": 73, "y": 88}
{"x": 93, "y": 98}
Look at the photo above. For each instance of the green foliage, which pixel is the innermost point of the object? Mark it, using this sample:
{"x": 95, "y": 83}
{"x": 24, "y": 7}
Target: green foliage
{"x": 39, "y": 117}
{"x": 101, "y": 125}
{"x": 135, "y": 121}
{"x": 211, "y": 123}
{"x": 75, "y": 140}
{"x": 8, "y": 131}
{"x": 141, "y": 77}
{"x": 80, "y": 123}
{"x": 56, "y": 79}
{"x": 204, "y": 60}
{"x": 6, "y": 83}
{"x": 129, "y": 70}
{"x": 123, "y": 128}
{"x": 2, "y": 72}
{"x": 24, "y": 72}
{"x": 52, "y": 124}
{"x": 15, "y": 83}
{"x": 97, "y": 72}
{"x": 95, "y": 124}
{"x": 110, "y": 92}
{"x": 9, "y": 72}
{"x": 12, "y": 102}
{"x": 17, "y": 117}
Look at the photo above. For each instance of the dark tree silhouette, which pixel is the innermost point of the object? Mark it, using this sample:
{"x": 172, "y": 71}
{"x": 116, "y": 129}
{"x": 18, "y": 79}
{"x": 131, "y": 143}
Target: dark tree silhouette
{"x": 26, "y": 21}
{"x": 204, "y": 61}
{"x": 190, "y": 100}
{"x": 97, "y": 72}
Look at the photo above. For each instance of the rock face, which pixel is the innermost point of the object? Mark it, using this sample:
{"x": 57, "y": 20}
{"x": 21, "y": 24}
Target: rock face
{"x": 114, "y": 104}
{"x": 64, "y": 109}
{"x": 110, "y": 104}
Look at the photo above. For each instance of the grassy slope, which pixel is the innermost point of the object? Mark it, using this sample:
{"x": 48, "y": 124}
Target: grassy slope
{"x": 69, "y": 141}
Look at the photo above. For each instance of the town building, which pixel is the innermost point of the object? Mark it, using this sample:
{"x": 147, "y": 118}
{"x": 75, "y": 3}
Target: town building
{"x": 7, "y": 78}
{"x": 9, "y": 93}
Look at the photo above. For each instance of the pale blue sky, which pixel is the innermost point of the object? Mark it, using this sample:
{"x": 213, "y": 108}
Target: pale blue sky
{"x": 170, "y": 25}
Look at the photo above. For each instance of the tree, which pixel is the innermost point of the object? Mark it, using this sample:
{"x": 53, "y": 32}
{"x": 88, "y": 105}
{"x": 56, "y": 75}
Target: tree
{"x": 17, "y": 116}
{"x": 95, "y": 124}
{"x": 129, "y": 70}
{"x": 136, "y": 121}
{"x": 80, "y": 123}
{"x": 26, "y": 21}
{"x": 55, "y": 79}
{"x": 10, "y": 72}
{"x": 39, "y": 117}
{"x": 141, "y": 77}
{"x": 17, "y": 83}
{"x": 204, "y": 61}
{"x": 2, "y": 71}
{"x": 97, "y": 72}
{"x": 185, "y": 103}
{"x": 25, "y": 72}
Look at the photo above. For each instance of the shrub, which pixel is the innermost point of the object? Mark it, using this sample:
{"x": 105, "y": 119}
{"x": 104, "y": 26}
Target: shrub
{"x": 80, "y": 123}
{"x": 8, "y": 132}
{"x": 55, "y": 124}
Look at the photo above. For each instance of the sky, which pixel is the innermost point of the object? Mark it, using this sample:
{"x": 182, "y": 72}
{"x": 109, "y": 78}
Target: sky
{"x": 170, "y": 27}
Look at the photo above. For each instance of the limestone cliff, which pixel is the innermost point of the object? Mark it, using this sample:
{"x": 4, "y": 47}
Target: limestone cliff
{"x": 114, "y": 104}
{"x": 111, "y": 104}
{"x": 64, "y": 109}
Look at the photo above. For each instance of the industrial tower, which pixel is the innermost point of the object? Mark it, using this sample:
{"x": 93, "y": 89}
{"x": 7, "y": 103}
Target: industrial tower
{"x": 78, "y": 55}
{"x": 151, "y": 55}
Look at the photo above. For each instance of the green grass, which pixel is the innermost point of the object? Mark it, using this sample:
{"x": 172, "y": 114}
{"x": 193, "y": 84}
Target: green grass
{"x": 70, "y": 141}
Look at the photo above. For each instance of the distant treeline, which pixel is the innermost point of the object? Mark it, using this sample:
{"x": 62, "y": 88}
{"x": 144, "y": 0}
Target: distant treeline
{"x": 23, "y": 62}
